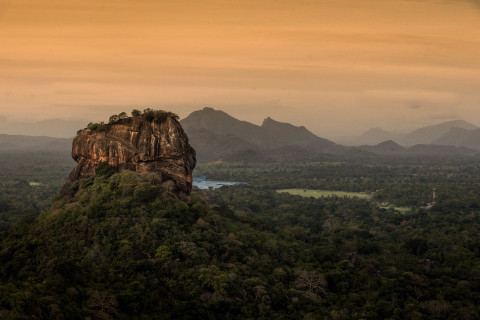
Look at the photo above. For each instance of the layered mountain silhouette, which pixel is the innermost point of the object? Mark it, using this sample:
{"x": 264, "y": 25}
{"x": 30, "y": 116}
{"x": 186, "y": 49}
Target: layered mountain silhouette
{"x": 377, "y": 135}
{"x": 386, "y": 147}
{"x": 29, "y": 143}
{"x": 210, "y": 145}
{"x": 51, "y": 128}
{"x": 424, "y": 135}
{"x": 270, "y": 134}
{"x": 433, "y": 149}
{"x": 392, "y": 148}
{"x": 427, "y": 135}
{"x": 461, "y": 138}
{"x": 215, "y": 134}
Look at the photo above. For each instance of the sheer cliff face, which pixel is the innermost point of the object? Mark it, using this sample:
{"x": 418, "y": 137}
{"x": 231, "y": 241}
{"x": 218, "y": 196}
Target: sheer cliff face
{"x": 138, "y": 145}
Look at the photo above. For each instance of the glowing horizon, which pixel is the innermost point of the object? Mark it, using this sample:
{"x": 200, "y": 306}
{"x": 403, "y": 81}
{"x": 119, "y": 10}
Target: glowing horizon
{"x": 336, "y": 67}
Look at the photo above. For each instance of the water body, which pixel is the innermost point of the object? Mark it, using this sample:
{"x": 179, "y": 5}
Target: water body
{"x": 203, "y": 183}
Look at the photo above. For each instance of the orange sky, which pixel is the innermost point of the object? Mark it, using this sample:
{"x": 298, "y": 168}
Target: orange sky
{"x": 338, "y": 67}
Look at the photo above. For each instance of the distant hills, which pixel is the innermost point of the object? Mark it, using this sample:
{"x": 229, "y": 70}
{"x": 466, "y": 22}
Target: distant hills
{"x": 392, "y": 148}
{"x": 433, "y": 149}
{"x": 29, "y": 143}
{"x": 210, "y": 145}
{"x": 386, "y": 147}
{"x": 270, "y": 134}
{"x": 461, "y": 138}
{"x": 424, "y": 135}
{"x": 428, "y": 135}
{"x": 375, "y": 136}
{"x": 215, "y": 134}
{"x": 50, "y": 128}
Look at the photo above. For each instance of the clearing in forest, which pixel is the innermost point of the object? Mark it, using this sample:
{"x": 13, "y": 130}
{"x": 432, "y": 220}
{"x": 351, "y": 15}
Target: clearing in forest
{"x": 325, "y": 193}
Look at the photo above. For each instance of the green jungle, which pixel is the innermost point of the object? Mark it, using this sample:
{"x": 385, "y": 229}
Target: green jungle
{"x": 122, "y": 246}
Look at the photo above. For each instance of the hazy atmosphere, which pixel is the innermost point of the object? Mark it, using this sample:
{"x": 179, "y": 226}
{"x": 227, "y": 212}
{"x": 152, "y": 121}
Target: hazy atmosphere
{"x": 337, "y": 67}
{"x": 248, "y": 159}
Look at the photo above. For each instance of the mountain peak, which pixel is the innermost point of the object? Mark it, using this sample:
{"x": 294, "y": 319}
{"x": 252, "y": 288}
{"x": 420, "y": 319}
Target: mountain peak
{"x": 389, "y": 143}
{"x": 461, "y": 123}
{"x": 427, "y": 135}
{"x": 269, "y": 122}
{"x": 270, "y": 135}
{"x": 385, "y": 147}
{"x": 375, "y": 131}
{"x": 268, "y": 119}
{"x": 287, "y": 133}
{"x": 211, "y": 111}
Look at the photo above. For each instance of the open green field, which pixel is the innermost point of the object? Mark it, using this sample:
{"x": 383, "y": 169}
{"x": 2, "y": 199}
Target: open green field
{"x": 340, "y": 194}
{"x": 401, "y": 209}
{"x": 325, "y": 193}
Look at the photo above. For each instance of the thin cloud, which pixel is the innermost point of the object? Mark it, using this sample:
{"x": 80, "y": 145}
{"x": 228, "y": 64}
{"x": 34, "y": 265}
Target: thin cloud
{"x": 415, "y": 105}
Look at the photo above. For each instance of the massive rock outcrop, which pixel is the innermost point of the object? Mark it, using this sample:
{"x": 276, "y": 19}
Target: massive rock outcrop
{"x": 139, "y": 145}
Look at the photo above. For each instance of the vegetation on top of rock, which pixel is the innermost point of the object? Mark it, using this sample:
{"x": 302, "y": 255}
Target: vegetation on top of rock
{"x": 158, "y": 115}
{"x": 136, "y": 113}
{"x": 116, "y": 117}
{"x": 148, "y": 114}
{"x": 93, "y": 127}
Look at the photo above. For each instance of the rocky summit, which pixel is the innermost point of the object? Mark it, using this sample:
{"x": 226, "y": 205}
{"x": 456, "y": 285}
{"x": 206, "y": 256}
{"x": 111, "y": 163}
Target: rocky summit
{"x": 139, "y": 145}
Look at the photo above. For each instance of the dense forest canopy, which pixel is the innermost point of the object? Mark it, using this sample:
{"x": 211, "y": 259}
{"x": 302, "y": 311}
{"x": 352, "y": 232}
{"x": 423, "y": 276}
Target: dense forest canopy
{"x": 122, "y": 246}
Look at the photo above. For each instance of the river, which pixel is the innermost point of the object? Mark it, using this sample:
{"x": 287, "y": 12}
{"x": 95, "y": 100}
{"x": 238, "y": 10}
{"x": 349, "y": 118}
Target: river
{"x": 203, "y": 183}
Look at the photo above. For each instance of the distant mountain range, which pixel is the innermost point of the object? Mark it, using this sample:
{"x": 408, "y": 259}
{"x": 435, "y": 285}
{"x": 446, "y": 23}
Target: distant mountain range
{"x": 217, "y": 135}
{"x": 425, "y": 135}
{"x": 50, "y": 128}
{"x": 29, "y": 143}
{"x": 428, "y": 135}
{"x": 374, "y": 136}
{"x": 461, "y": 138}
{"x": 392, "y": 148}
{"x": 271, "y": 133}
{"x": 386, "y": 147}
{"x": 210, "y": 145}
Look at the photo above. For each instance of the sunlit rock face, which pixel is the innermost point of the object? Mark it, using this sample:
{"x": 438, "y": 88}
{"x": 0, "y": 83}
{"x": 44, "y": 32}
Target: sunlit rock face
{"x": 138, "y": 145}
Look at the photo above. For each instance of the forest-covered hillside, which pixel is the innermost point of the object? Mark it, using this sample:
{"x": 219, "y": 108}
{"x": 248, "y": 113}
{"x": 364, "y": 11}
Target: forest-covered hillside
{"x": 122, "y": 246}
